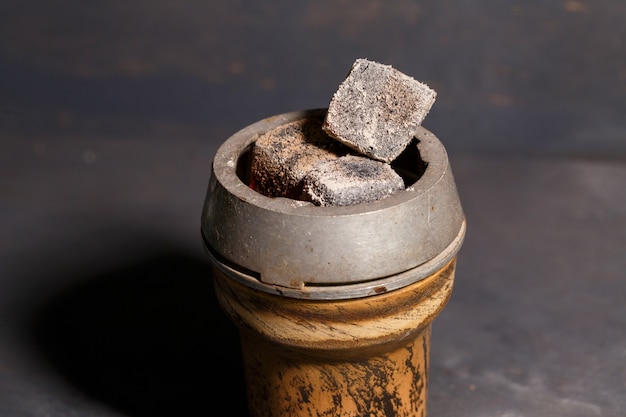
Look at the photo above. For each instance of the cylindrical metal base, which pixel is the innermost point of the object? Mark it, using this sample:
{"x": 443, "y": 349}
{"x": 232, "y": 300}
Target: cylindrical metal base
{"x": 354, "y": 357}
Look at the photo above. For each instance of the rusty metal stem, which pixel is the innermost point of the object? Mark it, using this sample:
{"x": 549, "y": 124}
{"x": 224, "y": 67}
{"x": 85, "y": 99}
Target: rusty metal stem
{"x": 354, "y": 357}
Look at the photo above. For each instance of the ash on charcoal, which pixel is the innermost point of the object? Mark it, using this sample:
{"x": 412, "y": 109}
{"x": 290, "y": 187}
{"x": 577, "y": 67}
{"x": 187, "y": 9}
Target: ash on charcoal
{"x": 377, "y": 110}
{"x": 282, "y": 157}
{"x": 350, "y": 180}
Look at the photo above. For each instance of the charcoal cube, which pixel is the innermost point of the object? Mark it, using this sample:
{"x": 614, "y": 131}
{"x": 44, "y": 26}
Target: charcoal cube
{"x": 283, "y": 156}
{"x": 350, "y": 180}
{"x": 377, "y": 110}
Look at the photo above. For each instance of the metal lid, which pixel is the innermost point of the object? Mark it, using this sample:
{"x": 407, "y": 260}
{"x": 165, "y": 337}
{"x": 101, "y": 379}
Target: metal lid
{"x": 297, "y": 249}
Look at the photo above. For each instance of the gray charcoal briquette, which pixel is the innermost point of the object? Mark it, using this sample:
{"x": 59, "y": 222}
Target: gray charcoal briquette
{"x": 350, "y": 180}
{"x": 377, "y": 110}
{"x": 282, "y": 156}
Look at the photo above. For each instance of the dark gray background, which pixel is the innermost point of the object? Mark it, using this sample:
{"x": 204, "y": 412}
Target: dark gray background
{"x": 111, "y": 112}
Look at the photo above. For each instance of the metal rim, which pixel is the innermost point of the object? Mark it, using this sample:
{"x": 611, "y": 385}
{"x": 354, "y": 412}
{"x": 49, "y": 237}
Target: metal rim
{"x": 349, "y": 291}
{"x": 293, "y": 244}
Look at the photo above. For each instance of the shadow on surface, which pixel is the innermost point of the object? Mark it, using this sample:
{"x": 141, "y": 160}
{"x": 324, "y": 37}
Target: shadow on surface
{"x": 148, "y": 339}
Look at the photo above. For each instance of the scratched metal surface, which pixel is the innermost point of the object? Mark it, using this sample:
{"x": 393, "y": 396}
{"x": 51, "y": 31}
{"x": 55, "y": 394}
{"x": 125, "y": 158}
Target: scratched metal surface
{"x": 110, "y": 114}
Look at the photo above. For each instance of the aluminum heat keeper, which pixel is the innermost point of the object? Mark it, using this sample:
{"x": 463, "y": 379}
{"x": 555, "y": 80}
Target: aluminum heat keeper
{"x": 300, "y": 250}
